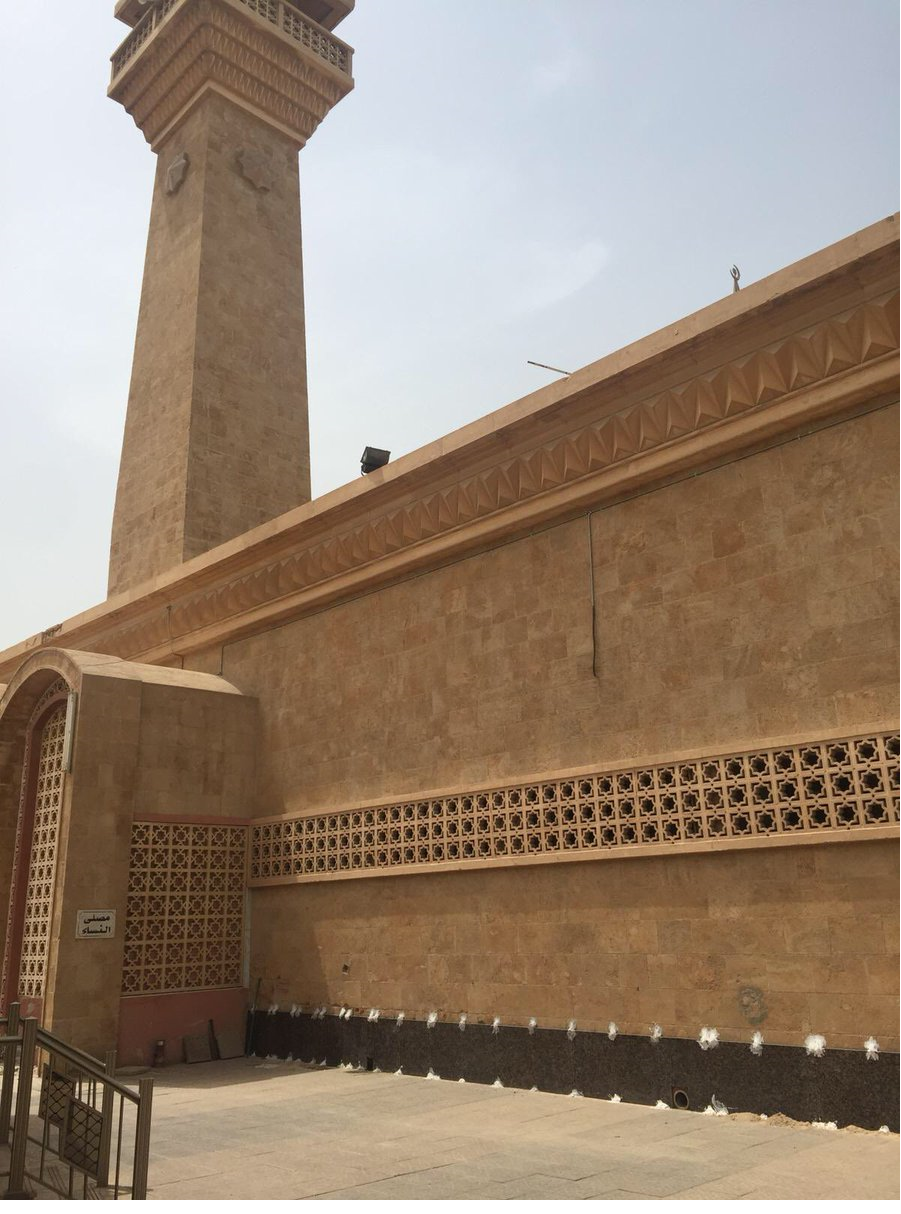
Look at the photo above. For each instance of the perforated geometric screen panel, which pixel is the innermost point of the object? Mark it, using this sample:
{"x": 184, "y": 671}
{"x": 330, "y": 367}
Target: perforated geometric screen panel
{"x": 184, "y": 925}
{"x": 56, "y": 1090}
{"x": 42, "y": 864}
{"x": 848, "y": 784}
{"x": 81, "y": 1137}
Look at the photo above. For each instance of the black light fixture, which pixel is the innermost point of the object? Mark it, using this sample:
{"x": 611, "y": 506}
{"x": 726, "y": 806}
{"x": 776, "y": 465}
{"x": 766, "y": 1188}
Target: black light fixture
{"x": 372, "y": 458}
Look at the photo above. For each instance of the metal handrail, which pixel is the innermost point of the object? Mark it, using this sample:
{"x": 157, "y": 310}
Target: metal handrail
{"x": 9, "y": 1062}
{"x": 76, "y": 1105}
{"x": 90, "y": 1065}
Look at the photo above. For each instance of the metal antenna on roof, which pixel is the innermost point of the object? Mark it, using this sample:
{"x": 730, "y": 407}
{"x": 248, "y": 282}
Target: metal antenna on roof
{"x": 546, "y": 367}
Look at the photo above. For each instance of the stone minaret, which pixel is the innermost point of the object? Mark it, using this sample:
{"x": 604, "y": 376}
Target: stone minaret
{"x": 216, "y": 436}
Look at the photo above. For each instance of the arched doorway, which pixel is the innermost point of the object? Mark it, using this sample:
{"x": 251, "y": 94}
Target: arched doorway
{"x": 29, "y": 930}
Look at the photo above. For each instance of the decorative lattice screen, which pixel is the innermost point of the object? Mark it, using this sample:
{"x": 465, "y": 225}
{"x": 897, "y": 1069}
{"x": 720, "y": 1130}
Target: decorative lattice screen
{"x": 849, "y": 784}
{"x": 185, "y": 918}
{"x": 42, "y": 864}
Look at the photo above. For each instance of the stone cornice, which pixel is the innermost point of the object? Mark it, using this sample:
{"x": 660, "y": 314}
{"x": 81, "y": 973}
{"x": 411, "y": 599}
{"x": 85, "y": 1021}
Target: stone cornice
{"x": 217, "y": 44}
{"x": 814, "y": 342}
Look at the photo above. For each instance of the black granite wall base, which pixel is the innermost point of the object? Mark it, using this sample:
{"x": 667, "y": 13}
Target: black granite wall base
{"x": 842, "y": 1086}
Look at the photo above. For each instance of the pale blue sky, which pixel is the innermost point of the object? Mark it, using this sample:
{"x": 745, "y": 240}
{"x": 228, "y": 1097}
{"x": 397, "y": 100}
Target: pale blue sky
{"x": 510, "y": 180}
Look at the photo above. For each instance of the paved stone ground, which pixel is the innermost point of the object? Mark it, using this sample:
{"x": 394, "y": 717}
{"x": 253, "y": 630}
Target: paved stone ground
{"x": 253, "y": 1129}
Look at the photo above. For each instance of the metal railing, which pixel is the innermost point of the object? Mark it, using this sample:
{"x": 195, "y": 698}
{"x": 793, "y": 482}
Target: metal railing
{"x": 89, "y": 1135}
{"x": 284, "y": 16}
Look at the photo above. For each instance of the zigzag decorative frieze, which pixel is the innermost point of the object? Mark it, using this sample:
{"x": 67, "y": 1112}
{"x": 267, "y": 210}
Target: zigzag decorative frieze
{"x": 867, "y": 333}
{"x": 702, "y": 405}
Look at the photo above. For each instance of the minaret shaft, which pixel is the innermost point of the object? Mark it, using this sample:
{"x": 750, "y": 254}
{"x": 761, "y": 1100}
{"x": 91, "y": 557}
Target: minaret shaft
{"x": 216, "y": 434}
{"x": 216, "y": 437}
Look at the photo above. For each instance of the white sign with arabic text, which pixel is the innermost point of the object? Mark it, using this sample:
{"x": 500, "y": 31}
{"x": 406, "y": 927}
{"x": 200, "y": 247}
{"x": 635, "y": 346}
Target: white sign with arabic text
{"x": 95, "y": 925}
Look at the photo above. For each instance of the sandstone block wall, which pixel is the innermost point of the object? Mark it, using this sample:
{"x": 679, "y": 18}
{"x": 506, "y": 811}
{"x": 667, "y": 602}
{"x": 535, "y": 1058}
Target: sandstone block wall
{"x": 197, "y": 755}
{"x": 788, "y": 941}
{"x": 142, "y": 749}
{"x": 753, "y": 602}
{"x": 92, "y": 866}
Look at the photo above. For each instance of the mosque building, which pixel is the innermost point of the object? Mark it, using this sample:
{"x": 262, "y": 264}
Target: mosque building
{"x": 579, "y": 724}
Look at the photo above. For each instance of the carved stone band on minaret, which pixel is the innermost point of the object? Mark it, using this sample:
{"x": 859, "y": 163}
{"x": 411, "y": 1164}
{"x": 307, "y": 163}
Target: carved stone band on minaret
{"x": 265, "y": 55}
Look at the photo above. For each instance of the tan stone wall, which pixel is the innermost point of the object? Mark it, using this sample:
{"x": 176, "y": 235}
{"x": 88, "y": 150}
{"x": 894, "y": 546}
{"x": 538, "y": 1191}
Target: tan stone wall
{"x": 672, "y": 941}
{"x": 84, "y": 976}
{"x": 197, "y": 754}
{"x": 216, "y": 437}
{"x": 140, "y": 748}
{"x": 755, "y": 601}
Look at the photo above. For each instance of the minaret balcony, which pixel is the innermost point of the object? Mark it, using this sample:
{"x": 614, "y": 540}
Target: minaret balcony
{"x": 268, "y": 56}
{"x": 279, "y": 16}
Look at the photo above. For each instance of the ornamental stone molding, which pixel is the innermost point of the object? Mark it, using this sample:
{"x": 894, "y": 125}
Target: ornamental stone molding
{"x": 255, "y": 169}
{"x": 626, "y": 424}
{"x": 260, "y": 53}
{"x": 177, "y": 172}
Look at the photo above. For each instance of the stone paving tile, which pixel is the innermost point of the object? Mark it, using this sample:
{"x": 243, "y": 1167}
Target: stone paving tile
{"x": 819, "y": 1182}
{"x": 477, "y": 1111}
{"x": 235, "y": 1185}
{"x": 429, "y": 1184}
{"x": 648, "y": 1129}
{"x": 188, "y": 1145}
{"x": 168, "y": 1170}
{"x": 324, "y": 1176}
{"x": 718, "y": 1191}
{"x": 734, "y": 1187}
{"x": 238, "y": 1130}
{"x": 538, "y": 1187}
{"x": 260, "y": 1177}
{"x": 435, "y": 1186}
{"x": 664, "y": 1177}
{"x": 624, "y": 1195}
{"x": 560, "y": 1164}
{"x": 460, "y": 1142}
{"x": 429, "y": 1159}
{"x": 491, "y": 1169}
{"x": 784, "y": 1188}
{"x": 763, "y": 1154}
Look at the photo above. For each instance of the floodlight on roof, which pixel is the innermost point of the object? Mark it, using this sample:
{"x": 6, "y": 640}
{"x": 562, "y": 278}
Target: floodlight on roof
{"x": 372, "y": 458}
